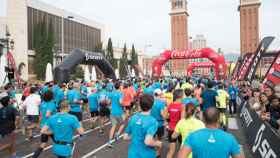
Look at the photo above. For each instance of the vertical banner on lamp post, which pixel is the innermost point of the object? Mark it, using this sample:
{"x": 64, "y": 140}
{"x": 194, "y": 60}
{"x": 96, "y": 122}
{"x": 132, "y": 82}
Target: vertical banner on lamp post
{"x": 250, "y": 74}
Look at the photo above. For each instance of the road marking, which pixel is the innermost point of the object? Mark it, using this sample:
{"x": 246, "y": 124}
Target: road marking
{"x": 232, "y": 124}
{"x": 76, "y": 136}
{"x": 98, "y": 149}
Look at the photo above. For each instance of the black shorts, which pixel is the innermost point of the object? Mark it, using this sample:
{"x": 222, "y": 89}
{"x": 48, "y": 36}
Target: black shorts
{"x": 85, "y": 100}
{"x": 33, "y": 118}
{"x": 160, "y": 132}
{"x": 171, "y": 140}
{"x": 94, "y": 113}
{"x": 222, "y": 110}
{"x": 79, "y": 115}
{"x": 104, "y": 111}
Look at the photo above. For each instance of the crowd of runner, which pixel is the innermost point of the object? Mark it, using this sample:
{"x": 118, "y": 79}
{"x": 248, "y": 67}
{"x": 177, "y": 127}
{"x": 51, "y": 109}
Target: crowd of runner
{"x": 191, "y": 113}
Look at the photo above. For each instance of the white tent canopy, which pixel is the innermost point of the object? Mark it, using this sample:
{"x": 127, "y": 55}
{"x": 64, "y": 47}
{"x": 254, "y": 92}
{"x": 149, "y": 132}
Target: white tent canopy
{"x": 49, "y": 73}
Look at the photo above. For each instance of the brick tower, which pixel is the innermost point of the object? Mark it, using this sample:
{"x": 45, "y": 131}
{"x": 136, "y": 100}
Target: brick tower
{"x": 179, "y": 32}
{"x": 249, "y": 25}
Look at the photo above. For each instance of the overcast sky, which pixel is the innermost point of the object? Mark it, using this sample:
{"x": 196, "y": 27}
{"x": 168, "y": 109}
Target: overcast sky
{"x": 146, "y": 22}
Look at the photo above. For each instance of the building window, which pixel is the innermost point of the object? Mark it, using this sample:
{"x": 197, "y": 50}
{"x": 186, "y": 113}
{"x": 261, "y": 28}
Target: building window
{"x": 178, "y": 4}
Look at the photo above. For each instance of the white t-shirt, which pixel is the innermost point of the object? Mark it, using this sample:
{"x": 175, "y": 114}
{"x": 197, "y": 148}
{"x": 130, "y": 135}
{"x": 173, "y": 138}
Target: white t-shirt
{"x": 32, "y": 103}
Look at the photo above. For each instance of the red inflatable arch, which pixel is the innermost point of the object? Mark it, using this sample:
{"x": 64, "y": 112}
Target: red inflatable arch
{"x": 218, "y": 60}
{"x": 193, "y": 65}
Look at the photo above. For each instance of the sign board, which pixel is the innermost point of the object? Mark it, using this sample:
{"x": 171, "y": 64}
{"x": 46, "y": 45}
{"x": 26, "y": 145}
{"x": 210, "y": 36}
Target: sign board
{"x": 263, "y": 141}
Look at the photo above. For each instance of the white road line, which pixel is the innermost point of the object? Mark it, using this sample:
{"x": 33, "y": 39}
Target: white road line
{"x": 76, "y": 136}
{"x": 97, "y": 149}
{"x": 232, "y": 124}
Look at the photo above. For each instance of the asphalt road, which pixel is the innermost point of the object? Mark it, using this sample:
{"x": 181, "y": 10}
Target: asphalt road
{"x": 93, "y": 145}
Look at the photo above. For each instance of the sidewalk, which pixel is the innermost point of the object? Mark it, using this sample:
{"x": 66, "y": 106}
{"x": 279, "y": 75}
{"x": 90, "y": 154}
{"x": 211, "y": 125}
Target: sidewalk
{"x": 236, "y": 129}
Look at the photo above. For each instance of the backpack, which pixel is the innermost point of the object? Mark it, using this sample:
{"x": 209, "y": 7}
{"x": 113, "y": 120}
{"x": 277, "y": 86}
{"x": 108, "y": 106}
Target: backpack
{"x": 103, "y": 99}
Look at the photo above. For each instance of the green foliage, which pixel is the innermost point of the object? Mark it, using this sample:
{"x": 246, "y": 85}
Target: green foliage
{"x": 43, "y": 46}
{"x": 78, "y": 73}
{"x": 99, "y": 49}
{"x": 123, "y": 63}
{"x": 134, "y": 60}
{"x": 110, "y": 54}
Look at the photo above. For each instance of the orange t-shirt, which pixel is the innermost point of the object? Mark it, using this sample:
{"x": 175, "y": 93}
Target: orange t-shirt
{"x": 127, "y": 97}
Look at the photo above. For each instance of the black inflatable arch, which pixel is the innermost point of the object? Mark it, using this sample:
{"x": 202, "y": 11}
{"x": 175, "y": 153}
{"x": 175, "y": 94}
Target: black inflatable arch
{"x": 78, "y": 56}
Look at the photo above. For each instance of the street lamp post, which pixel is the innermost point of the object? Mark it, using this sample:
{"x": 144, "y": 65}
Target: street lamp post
{"x": 62, "y": 34}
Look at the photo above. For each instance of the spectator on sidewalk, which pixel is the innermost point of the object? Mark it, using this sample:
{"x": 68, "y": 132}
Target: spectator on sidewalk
{"x": 9, "y": 121}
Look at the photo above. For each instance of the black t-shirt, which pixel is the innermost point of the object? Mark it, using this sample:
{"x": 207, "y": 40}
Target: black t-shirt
{"x": 7, "y": 120}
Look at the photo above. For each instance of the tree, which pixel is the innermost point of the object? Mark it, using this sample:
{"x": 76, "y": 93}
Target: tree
{"x": 123, "y": 63}
{"x": 134, "y": 59}
{"x": 77, "y": 73}
{"x": 110, "y": 54}
{"x": 43, "y": 39}
{"x": 99, "y": 49}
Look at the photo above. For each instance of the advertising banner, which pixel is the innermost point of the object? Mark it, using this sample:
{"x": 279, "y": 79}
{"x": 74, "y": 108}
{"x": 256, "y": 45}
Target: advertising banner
{"x": 272, "y": 77}
{"x": 264, "y": 142}
{"x": 250, "y": 73}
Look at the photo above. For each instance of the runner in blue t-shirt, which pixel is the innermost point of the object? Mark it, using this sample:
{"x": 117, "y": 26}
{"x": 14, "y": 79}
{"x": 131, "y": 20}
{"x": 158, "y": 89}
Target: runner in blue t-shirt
{"x": 84, "y": 92}
{"x": 74, "y": 100}
{"x": 189, "y": 98}
{"x": 210, "y": 142}
{"x": 59, "y": 96}
{"x": 209, "y": 97}
{"x": 141, "y": 129}
{"x": 47, "y": 109}
{"x": 93, "y": 107}
{"x": 157, "y": 112}
{"x": 117, "y": 114}
{"x": 63, "y": 126}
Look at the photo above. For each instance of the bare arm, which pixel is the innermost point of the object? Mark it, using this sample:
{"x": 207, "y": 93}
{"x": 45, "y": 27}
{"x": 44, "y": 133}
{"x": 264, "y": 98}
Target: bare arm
{"x": 184, "y": 152}
{"x": 175, "y": 135}
{"x": 149, "y": 141}
{"x": 126, "y": 137}
{"x": 237, "y": 156}
{"x": 80, "y": 130}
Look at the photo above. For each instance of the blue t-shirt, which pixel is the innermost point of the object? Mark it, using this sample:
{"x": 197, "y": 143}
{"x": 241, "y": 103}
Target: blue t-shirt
{"x": 59, "y": 96}
{"x": 84, "y": 89}
{"x": 102, "y": 94}
{"x": 110, "y": 87}
{"x": 136, "y": 87}
{"x": 233, "y": 92}
{"x": 44, "y": 108}
{"x": 212, "y": 143}
{"x": 93, "y": 102}
{"x": 140, "y": 126}
{"x": 186, "y": 101}
{"x": 158, "y": 106}
{"x": 209, "y": 99}
{"x": 71, "y": 96}
{"x": 44, "y": 89}
{"x": 115, "y": 98}
{"x": 156, "y": 85}
{"x": 55, "y": 88}
{"x": 63, "y": 126}
{"x": 148, "y": 90}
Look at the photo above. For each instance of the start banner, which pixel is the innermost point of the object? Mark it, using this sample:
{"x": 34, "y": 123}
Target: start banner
{"x": 264, "y": 142}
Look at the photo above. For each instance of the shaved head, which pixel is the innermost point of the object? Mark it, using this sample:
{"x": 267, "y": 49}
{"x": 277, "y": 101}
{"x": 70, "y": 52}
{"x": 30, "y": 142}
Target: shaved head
{"x": 211, "y": 115}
